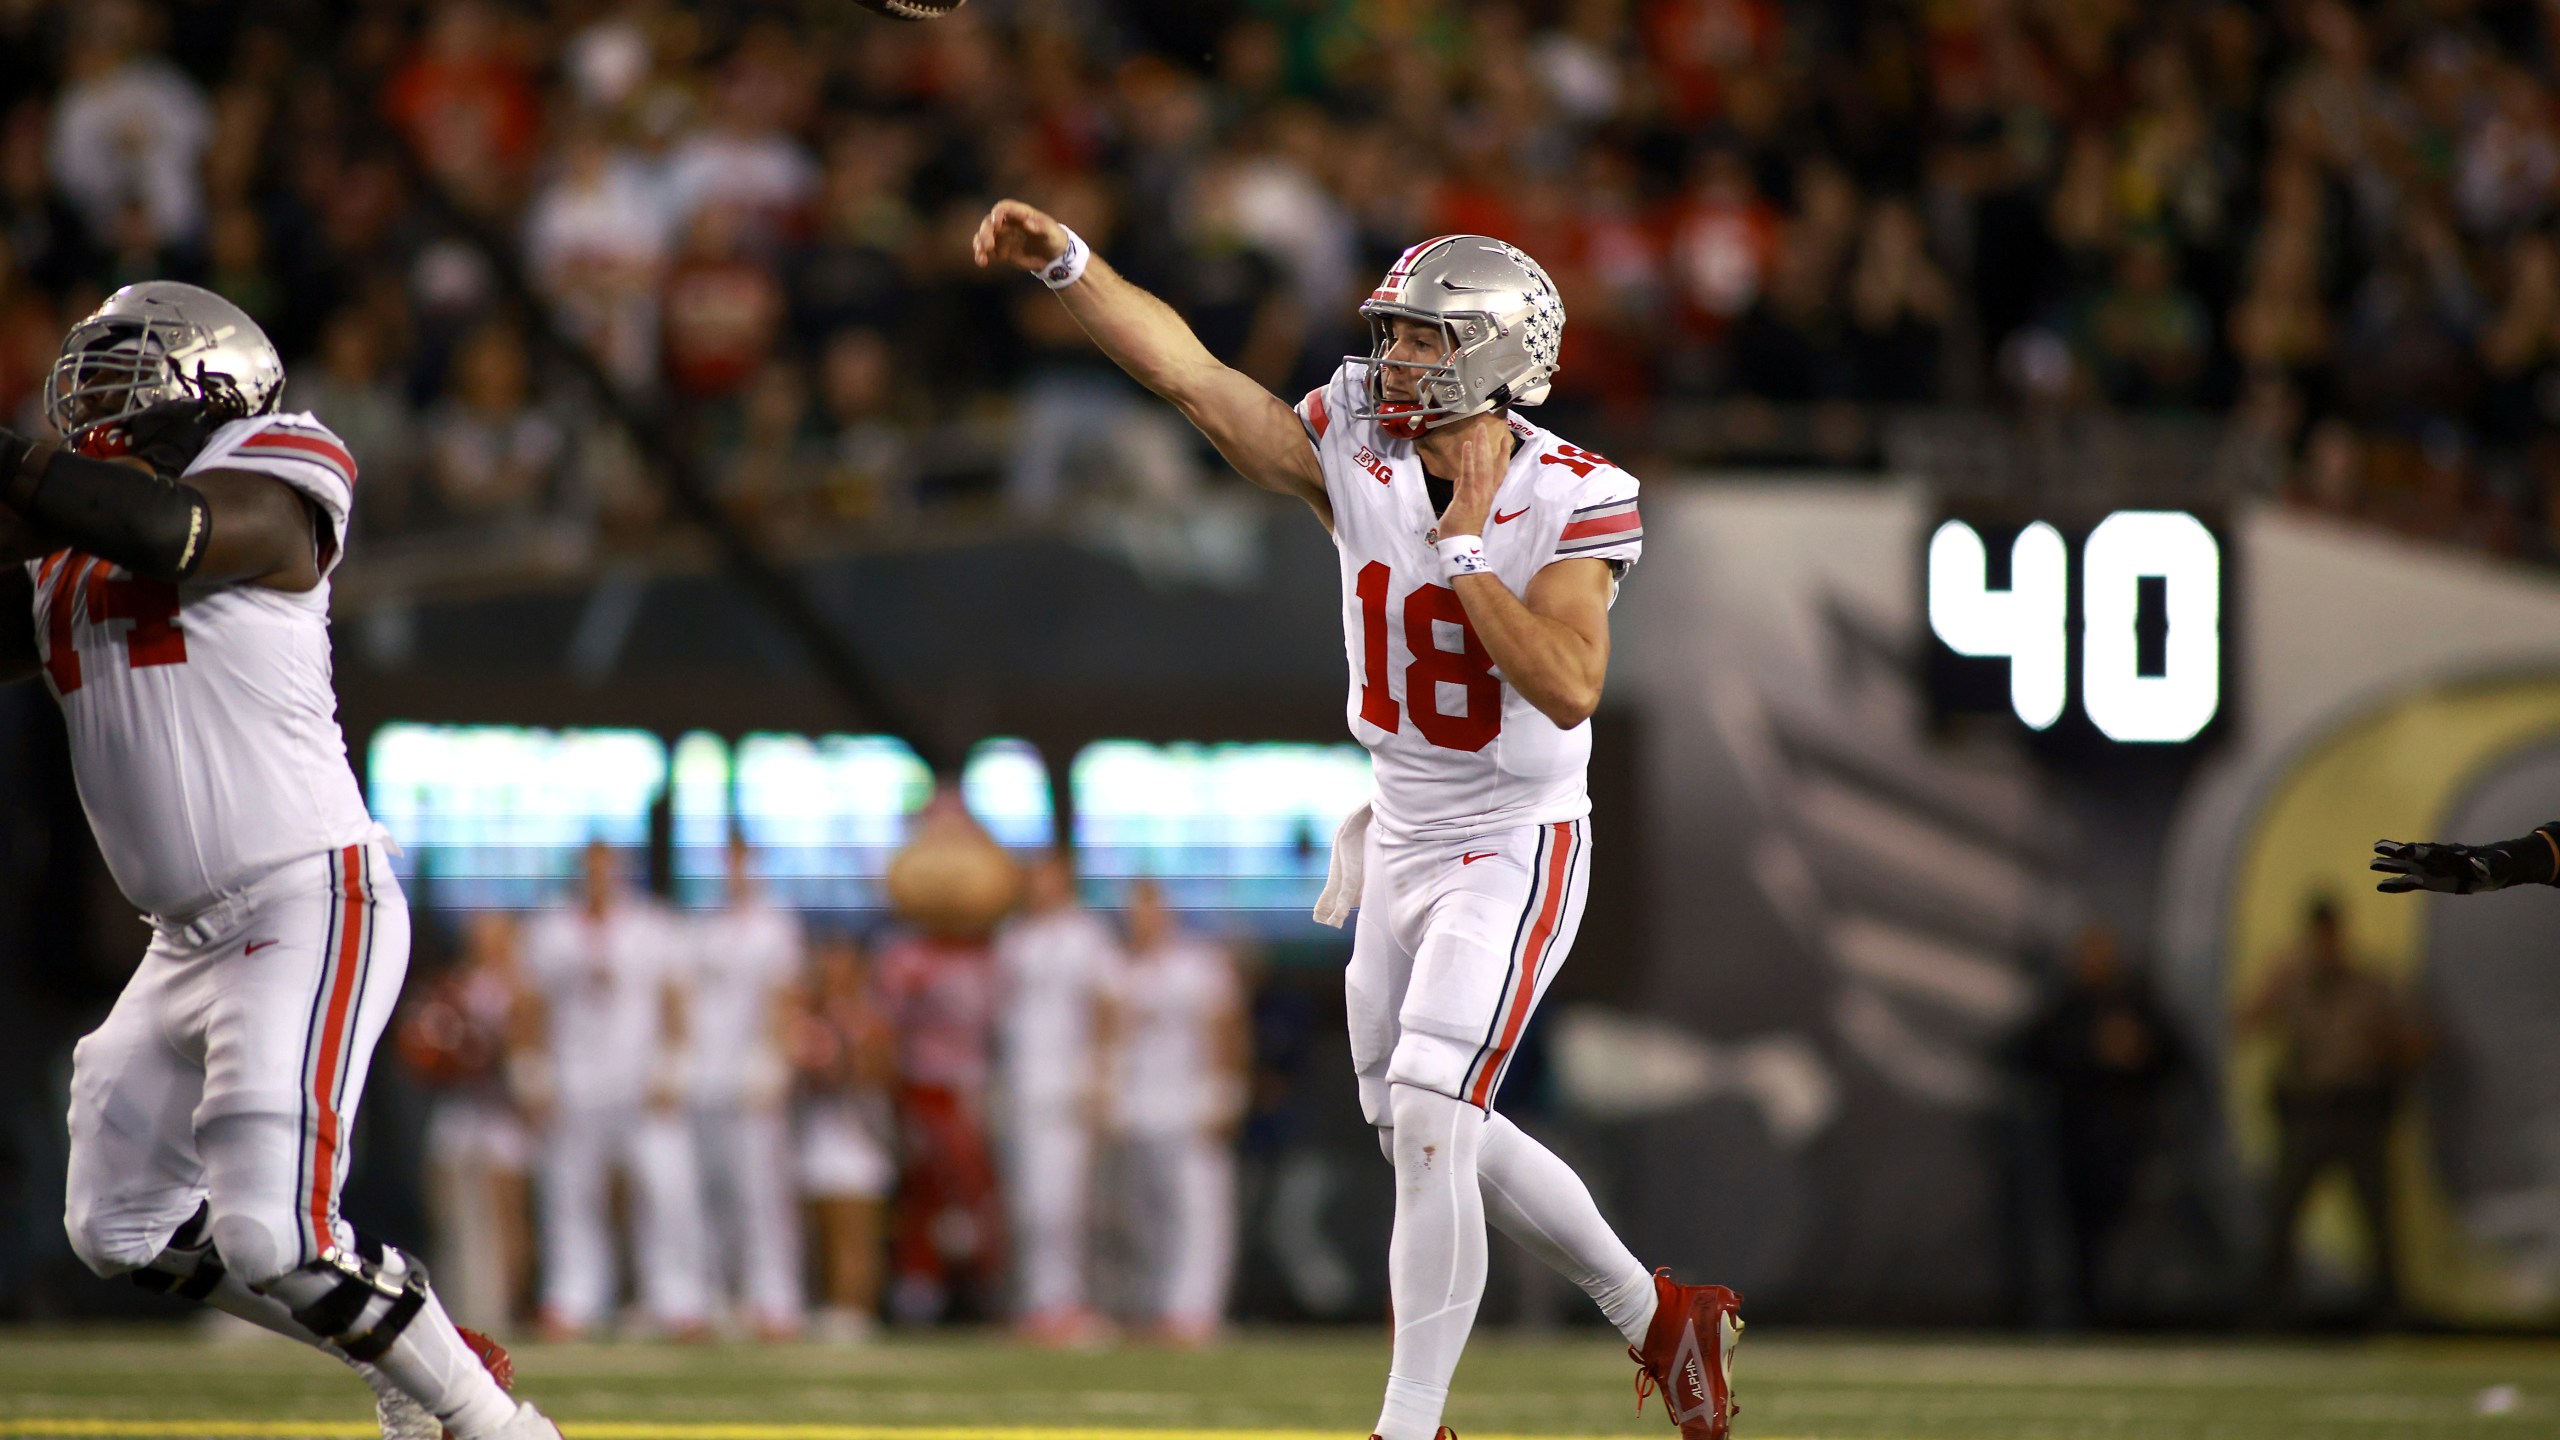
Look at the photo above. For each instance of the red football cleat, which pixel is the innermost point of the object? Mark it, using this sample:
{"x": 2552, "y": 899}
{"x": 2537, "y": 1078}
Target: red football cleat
{"x": 493, "y": 1357}
{"x": 1688, "y": 1356}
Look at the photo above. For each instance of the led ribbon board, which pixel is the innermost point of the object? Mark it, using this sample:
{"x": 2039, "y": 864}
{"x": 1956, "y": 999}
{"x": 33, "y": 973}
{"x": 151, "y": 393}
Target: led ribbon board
{"x": 2137, "y": 613}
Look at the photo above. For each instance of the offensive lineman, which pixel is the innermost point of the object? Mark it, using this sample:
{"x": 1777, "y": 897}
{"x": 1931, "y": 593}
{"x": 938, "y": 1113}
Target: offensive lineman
{"x": 1479, "y": 557}
{"x": 177, "y": 547}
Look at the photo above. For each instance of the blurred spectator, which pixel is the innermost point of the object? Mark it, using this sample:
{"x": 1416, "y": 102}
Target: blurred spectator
{"x": 1899, "y": 307}
{"x": 2103, "y": 1048}
{"x": 606, "y": 1067}
{"x": 596, "y": 243}
{"x": 459, "y": 1039}
{"x": 723, "y": 308}
{"x": 2347, "y": 1046}
{"x": 776, "y": 451}
{"x": 1053, "y": 963}
{"x": 846, "y": 1060}
{"x": 746, "y": 958}
{"x": 743, "y": 160}
{"x": 492, "y": 453}
{"x": 2145, "y": 336}
{"x": 2333, "y": 213}
{"x": 869, "y": 445}
{"x": 1176, "y": 1060}
{"x": 467, "y": 104}
{"x": 350, "y": 388}
{"x": 1077, "y": 409}
{"x": 129, "y": 132}
{"x": 938, "y": 996}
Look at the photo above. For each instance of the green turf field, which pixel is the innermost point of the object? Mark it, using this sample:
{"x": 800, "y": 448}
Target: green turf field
{"x": 1813, "y": 1387}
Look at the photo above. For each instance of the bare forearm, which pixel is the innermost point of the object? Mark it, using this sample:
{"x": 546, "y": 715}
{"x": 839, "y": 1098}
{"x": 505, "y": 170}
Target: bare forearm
{"x": 1140, "y": 333}
{"x": 1553, "y": 666}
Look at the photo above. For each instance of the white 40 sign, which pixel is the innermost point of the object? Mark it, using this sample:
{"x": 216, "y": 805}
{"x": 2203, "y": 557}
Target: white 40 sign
{"x": 2028, "y": 624}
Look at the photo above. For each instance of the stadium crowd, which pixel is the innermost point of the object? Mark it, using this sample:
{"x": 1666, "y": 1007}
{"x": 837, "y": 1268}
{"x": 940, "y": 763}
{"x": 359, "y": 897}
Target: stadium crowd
{"x": 1037, "y": 1125}
{"x": 2329, "y": 222}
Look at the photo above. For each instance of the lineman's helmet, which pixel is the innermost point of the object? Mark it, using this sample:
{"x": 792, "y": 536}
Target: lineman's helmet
{"x": 1503, "y": 319}
{"x": 161, "y": 340}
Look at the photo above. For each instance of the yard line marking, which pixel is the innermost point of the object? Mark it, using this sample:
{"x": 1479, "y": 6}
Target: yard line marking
{"x": 83, "y": 1428}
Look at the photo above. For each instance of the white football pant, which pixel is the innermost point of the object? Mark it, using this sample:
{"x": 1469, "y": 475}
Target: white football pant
{"x": 1183, "y": 1193}
{"x": 1047, "y": 1180}
{"x": 753, "y": 1225}
{"x": 654, "y": 1152}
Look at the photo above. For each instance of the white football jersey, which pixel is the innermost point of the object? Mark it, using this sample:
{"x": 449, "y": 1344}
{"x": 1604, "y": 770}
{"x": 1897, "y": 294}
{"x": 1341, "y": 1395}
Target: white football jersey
{"x": 1052, "y": 968}
{"x": 741, "y": 961}
{"x": 604, "y": 986}
{"x": 1454, "y": 750}
{"x": 204, "y": 732}
{"x": 1166, "y": 1006}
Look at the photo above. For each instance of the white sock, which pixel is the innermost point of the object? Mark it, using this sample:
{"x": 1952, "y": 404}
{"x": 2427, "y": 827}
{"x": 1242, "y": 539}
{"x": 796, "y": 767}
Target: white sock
{"x": 1535, "y": 1198}
{"x": 1435, "y": 1262}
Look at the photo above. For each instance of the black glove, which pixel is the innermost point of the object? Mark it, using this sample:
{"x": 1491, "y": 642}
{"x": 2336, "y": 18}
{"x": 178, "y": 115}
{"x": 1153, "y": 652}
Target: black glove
{"x": 2451, "y": 869}
{"x": 168, "y": 436}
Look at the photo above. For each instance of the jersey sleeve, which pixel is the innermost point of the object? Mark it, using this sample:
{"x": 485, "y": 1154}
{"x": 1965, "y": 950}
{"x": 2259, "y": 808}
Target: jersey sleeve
{"x": 1604, "y": 523}
{"x": 1324, "y": 410}
{"x": 303, "y": 453}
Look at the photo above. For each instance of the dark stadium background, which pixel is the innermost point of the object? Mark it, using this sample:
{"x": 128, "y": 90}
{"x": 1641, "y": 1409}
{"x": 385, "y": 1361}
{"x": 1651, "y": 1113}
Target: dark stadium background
{"x": 2290, "y": 267}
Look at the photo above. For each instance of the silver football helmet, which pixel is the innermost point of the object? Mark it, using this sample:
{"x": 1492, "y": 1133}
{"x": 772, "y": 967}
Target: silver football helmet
{"x": 161, "y": 340}
{"x": 1503, "y": 318}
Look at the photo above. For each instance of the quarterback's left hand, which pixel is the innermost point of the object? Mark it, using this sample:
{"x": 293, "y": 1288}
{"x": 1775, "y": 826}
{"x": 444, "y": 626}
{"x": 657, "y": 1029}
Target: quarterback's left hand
{"x": 2425, "y": 865}
{"x": 1482, "y": 452}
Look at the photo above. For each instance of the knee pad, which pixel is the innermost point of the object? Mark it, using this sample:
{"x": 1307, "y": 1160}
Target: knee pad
{"x": 1387, "y": 1142}
{"x": 251, "y": 1247}
{"x": 357, "y": 1301}
{"x": 1430, "y": 1062}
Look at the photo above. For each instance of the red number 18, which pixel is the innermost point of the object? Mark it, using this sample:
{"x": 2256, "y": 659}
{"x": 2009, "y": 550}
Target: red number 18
{"x": 1468, "y": 667}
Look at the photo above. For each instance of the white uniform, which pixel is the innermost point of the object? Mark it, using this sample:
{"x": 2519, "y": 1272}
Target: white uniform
{"x": 1477, "y": 860}
{"x": 1051, "y": 969}
{"x": 205, "y": 741}
{"x": 603, "y": 986}
{"x": 743, "y": 961}
{"x": 1171, "y": 1101}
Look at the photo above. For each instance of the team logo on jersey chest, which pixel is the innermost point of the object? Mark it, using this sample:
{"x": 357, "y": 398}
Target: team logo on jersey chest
{"x": 1367, "y": 459}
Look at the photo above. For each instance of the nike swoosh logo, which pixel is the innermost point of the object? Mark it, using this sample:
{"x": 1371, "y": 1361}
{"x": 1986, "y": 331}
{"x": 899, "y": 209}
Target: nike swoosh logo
{"x": 254, "y": 946}
{"x": 1501, "y": 519}
{"x": 1473, "y": 856}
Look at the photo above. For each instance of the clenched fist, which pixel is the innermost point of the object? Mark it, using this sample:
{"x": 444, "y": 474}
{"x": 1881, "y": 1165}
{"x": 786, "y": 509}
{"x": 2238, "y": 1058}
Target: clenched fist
{"x": 1018, "y": 235}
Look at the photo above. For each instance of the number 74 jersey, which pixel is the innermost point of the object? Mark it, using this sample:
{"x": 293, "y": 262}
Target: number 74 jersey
{"x": 1454, "y": 749}
{"x": 204, "y": 728}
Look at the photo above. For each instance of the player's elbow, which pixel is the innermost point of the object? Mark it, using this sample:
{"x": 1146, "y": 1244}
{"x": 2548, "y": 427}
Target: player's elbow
{"x": 1570, "y": 702}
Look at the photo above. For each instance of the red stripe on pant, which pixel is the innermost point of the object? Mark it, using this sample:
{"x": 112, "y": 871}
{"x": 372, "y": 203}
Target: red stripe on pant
{"x": 1533, "y": 958}
{"x": 336, "y": 1038}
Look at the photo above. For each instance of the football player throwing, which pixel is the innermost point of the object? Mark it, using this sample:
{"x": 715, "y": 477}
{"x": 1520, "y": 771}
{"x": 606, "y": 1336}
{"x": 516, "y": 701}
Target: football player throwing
{"x": 177, "y": 545}
{"x": 1479, "y": 556}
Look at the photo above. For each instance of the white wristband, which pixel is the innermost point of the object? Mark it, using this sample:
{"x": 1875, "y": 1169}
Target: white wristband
{"x": 1068, "y": 268}
{"x": 1463, "y": 555}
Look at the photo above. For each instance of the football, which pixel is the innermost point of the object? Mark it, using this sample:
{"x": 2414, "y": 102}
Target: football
{"x": 911, "y": 9}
